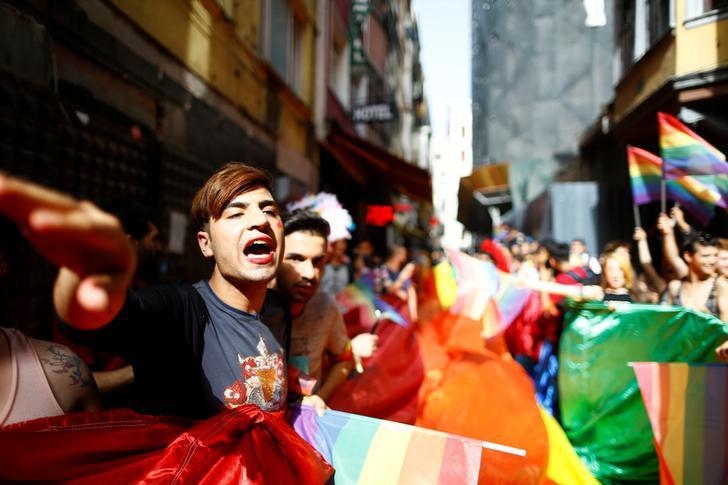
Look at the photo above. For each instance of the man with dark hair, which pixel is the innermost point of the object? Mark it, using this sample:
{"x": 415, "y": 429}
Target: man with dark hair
{"x": 318, "y": 334}
{"x": 702, "y": 289}
{"x": 195, "y": 349}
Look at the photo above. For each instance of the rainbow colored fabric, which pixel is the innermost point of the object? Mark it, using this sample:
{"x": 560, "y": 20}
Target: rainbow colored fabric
{"x": 480, "y": 292}
{"x": 685, "y": 153}
{"x": 367, "y": 450}
{"x": 602, "y": 412}
{"x": 371, "y": 308}
{"x": 697, "y": 195}
{"x": 686, "y": 404}
{"x": 645, "y": 174}
{"x": 698, "y": 166}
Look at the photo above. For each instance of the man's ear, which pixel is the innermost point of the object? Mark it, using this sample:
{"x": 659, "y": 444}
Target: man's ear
{"x": 203, "y": 239}
{"x": 687, "y": 257}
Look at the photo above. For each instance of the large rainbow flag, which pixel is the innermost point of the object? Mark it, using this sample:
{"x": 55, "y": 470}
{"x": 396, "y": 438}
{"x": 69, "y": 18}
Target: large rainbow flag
{"x": 367, "y": 450}
{"x": 686, "y": 405}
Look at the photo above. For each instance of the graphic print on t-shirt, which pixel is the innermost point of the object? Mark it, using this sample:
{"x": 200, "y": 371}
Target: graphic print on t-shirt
{"x": 260, "y": 383}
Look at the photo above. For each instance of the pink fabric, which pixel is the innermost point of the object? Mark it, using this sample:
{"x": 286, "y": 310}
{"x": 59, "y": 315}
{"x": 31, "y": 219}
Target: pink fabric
{"x": 30, "y": 394}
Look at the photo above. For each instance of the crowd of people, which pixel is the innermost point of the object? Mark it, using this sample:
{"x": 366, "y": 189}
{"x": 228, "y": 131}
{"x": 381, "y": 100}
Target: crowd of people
{"x": 692, "y": 272}
{"x": 265, "y": 328}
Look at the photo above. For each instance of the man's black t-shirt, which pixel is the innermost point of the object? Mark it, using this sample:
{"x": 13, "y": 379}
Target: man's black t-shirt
{"x": 191, "y": 353}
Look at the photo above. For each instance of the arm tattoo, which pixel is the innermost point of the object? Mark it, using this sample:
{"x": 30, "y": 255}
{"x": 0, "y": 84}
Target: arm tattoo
{"x": 63, "y": 362}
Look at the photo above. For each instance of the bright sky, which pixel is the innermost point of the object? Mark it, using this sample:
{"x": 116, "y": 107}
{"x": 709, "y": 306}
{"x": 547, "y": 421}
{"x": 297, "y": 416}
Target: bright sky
{"x": 444, "y": 28}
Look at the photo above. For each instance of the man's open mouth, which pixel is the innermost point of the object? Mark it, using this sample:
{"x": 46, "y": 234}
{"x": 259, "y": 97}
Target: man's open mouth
{"x": 258, "y": 247}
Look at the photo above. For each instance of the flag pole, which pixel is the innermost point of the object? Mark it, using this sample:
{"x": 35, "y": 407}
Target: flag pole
{"x": 662, "y": 194}
{"x": 636, "y": 212}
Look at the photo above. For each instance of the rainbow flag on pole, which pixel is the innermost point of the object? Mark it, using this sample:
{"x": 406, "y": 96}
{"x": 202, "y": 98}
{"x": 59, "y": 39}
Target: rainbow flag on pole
{"x": 365, "y": 450}
{"x": 645, "y": 175}
{"x": 688, "y": 410}
{"x": 685, "y": 153}
{"x": 698, "y": 197}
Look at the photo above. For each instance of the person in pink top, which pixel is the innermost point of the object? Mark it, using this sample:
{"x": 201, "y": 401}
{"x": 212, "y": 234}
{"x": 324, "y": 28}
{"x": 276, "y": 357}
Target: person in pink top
{"x": 38, "y": 378}
{"x": 41, "y": 379}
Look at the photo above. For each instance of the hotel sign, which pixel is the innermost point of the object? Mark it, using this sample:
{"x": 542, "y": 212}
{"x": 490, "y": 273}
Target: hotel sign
{"x": 374, "y": 113}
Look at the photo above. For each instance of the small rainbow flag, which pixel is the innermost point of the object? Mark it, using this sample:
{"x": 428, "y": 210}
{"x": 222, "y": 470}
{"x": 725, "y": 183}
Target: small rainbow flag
{"x": 371, "y": 307}
{"x": 686, "y": 153}
{"x": 509, "y": 300}
{"x": 366, "y": 450}
{"x": 645, "y": 174}
{"x": 686, "y": 404}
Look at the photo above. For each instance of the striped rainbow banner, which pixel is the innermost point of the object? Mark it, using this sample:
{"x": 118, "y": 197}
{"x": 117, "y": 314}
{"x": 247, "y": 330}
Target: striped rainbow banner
{"x": 687, "y": 407}
{"x": 366, "y": 450}
{"x": 684, "y": 152}
{"x": 645, "y": 174}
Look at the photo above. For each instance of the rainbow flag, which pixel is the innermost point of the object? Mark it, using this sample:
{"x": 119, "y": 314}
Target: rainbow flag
{"x": 697, "y": 196}
{"x": 686, "y": 405}
{"x": 371, "y": 308}
{"x": 481, "y": 292}
{"x": 509, "y": 300}
{"x": 686, "y": 153}
{"x": 645, "y": 174}
{"x": 367, "y": 450}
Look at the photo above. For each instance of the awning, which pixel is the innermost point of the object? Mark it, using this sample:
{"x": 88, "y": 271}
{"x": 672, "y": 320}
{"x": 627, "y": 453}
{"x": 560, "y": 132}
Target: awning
{"x": 490, "y": 179}
{"x": 487, "y": 186}
{"x": 371, "y": 165}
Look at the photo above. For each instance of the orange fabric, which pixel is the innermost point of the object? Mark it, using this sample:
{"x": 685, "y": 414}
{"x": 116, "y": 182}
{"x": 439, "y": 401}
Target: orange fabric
{"x": 472, "y": 391}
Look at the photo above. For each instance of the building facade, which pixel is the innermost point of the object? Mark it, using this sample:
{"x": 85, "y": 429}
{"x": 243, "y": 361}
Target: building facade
{"x": 118, "y": 99}
{"x": 541, "y": 72}
{"x": 670, "y": 56}
{"x": 371, "y": 116}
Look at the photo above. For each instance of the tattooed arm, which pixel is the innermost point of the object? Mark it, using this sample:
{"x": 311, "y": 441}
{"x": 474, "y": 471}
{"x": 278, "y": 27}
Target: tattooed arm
{"x": 70, "y": 378}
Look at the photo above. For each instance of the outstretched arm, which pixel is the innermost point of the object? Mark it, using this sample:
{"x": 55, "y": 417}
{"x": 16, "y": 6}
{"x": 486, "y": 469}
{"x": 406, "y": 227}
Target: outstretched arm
{"x": 643, "y": 250}
{"x": 95, "y": 257}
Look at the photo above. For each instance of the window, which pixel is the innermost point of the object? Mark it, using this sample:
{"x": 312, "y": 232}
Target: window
{"x": 642, "y": 24}
{"x": 696, "y": 8}
{"x": 281, "y": 41}
{"x": 297, "y": 57}
{"x": 660, "y": 19}
{"x": 339, "y": 80}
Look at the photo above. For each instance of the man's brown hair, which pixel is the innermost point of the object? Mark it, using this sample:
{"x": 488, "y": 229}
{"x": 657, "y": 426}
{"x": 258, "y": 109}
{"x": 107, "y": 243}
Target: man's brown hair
{"x": 229, "y": 181}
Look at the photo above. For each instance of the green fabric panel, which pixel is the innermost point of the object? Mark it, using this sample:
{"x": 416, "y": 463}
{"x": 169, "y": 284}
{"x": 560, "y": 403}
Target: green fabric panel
{"x": 601, "y": 406}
